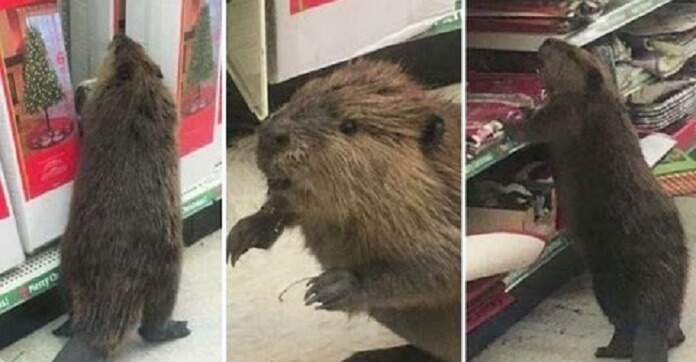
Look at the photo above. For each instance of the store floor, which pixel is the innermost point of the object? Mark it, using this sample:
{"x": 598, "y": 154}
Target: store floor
{"x": 260, "y": 327}
{"x": 569, "y": 326}
{"x": 199, "y": 302}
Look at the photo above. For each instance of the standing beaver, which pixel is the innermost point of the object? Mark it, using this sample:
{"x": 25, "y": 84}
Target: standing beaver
{"x": 628, "y": 226}
{"x": 368, "y": 165}
{"x": 121, "y": 252}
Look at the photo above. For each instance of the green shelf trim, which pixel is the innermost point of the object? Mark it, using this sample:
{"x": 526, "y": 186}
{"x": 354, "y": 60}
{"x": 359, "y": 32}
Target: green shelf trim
{"x": 40, "y": 273}
{"x": 552, "y": 248}
{"x": 492, "y": 156}
{"x": 34, "y": 287}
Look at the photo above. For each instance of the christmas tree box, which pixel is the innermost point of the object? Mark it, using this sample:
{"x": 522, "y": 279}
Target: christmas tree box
{"x": 38, "y": 143}
{"x": 306, "y": 35}
{"x": 189, "y": 63}
{"x": 11, "y": 253}
{"x": 93, "y": 23}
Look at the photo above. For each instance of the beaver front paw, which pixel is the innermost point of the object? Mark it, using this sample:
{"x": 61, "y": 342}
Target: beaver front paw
{"x": 254, "y": 231}
{"x": 335, "y": 289}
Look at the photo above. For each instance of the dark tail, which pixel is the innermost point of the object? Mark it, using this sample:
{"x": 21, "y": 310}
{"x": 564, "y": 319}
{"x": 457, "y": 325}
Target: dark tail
{"x": 78, "y": 350}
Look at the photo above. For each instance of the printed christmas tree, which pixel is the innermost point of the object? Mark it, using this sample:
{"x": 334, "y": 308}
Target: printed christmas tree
{"x": 41, "y": 86}
{"x": 201, "y": 64}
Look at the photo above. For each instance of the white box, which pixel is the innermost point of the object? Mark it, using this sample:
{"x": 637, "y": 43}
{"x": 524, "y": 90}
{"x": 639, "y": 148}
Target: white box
{"x": 152, "y": 23}
{"x": 271, "y": 41}
{"x": 93, "y": 23}
{"x": 11, "y": 253}
{"x": 308, "y": 35}
{"x": 38, "y": 148}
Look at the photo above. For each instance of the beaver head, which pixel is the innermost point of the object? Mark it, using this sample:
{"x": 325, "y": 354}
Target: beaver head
{"x": 128, "y": 87}
{"x": 566, "y": 68}
{"x": 581, "y": 96}
{"x": 350, "y": 135}
{"x": 127, "y": 60}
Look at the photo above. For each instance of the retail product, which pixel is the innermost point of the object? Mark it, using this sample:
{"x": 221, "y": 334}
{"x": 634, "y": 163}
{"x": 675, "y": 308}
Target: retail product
{"x": 38, "y": 143}
{"x": 190, "y": 64}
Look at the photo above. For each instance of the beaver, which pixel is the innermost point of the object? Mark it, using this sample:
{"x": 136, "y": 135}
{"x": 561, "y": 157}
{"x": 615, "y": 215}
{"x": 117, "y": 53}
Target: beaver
{"x": 121, "y": 253}
{"x": 367, "y": 163}
{"x": 629, "y": 228}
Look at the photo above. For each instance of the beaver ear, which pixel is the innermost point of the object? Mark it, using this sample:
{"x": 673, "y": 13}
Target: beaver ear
{"x": 124, "y": 72}
{"x": 158, "y": 72}
{"x": 432, "y": 132}
{"x": 594, "y": 80}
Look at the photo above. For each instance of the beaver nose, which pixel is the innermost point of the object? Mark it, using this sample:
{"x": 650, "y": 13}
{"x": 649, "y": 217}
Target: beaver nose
{"x": 275, "y": 135}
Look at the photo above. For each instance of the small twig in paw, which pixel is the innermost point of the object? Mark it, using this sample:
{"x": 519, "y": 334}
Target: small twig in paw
{"x": 280, "y": 296}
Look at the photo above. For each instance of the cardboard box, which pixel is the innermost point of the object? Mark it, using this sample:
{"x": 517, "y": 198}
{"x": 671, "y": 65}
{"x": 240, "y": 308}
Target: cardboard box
{"x": 275, "y": 40}
{"x": 481, "y": 220}
{"x": 12, "y": 254}
{"x": 308, "y": 35}
{"x": 190, "y": 63}
{"x": 38, "y": 143}
{"x": 92, "y": 26}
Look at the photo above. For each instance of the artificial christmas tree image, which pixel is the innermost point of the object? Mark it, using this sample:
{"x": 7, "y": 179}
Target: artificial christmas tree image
{"x": 42, "y": 89}
{"x": 198, "y": 64}
{"x": 39, "y": 150}
{"x": 201, "y": 63}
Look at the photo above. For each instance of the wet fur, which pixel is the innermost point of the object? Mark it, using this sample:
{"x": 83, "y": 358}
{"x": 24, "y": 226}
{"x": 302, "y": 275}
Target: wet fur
{"x": 629, "y": 227}
{"x": 121, "y": 252}
{"x": 368, "y": 165}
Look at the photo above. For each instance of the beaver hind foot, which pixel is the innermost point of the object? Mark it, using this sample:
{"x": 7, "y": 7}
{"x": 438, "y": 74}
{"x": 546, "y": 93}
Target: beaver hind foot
{"x": 168, "y": 331}
{"x": 77, "y": 350}
{"x": 65, "y": 329}
{"x": 622, "y": 344}
{"x": 407, "y": 353}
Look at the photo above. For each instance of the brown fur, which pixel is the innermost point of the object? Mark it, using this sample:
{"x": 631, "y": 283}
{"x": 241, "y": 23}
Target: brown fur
{"x": 628, "y": 226}
{"x": 121, "y": 252}
{"x": 377, "y": 198}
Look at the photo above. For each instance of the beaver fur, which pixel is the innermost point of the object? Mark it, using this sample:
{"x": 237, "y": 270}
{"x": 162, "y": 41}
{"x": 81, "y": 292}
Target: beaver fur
{"x": 121, "y": 253}
{"x": 368, "y": 164}
{"x": 628, "y": 226}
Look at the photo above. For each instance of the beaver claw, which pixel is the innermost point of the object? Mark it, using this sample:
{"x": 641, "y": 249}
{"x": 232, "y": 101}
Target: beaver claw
{"x": 334, "y": 289}
{"x": 254, "y": 231}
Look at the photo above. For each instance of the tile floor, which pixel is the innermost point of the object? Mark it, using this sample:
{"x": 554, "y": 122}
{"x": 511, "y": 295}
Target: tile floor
{"x": 198, "y": 302}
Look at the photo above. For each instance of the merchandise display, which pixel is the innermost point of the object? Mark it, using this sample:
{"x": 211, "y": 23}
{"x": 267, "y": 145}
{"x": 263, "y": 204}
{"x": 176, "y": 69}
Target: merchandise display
{"x": 38, "y": 138}
{"x": 649, "y": 48}
{"x": 194, "y": 56}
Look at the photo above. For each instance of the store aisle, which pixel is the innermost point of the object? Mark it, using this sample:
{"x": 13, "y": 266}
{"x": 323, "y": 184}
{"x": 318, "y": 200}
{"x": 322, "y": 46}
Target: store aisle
{"x": 259, "y": 326}
{"x": 569, "y": 325}
{"x": 199, "y": 302}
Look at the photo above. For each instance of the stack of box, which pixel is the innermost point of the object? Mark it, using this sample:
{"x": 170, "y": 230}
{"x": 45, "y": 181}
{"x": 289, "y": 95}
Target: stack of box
{"x": 38, "y": 144}
{"x": 193, "y": 58}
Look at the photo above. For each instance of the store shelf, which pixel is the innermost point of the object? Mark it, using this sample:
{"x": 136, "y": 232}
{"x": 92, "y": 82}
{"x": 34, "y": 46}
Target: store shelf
{"x": 39, "y": 273}
{"x": 561, "y": 264}
{"x": 497, "y": 153}
{"x": 491, "y": 156}
{"x": 445, "y": 24}
{"x": 617, "y": 14}
{"x": 551, "y": 250}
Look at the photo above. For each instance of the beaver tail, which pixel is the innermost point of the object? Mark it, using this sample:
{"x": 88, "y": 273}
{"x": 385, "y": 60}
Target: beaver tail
{"x": 102, "y": 319}
{"x": 79, "y": 350}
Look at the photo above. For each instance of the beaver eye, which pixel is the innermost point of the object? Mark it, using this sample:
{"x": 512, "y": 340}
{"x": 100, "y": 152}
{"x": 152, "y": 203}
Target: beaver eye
{"x": 349, "y": 127}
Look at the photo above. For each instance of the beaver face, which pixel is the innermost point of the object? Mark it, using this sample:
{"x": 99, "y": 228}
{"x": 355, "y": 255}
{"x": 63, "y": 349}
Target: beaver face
{"x": 569, "y": 69}
{"x": 128, "y": 60}
{"x": 359, "y": 121}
